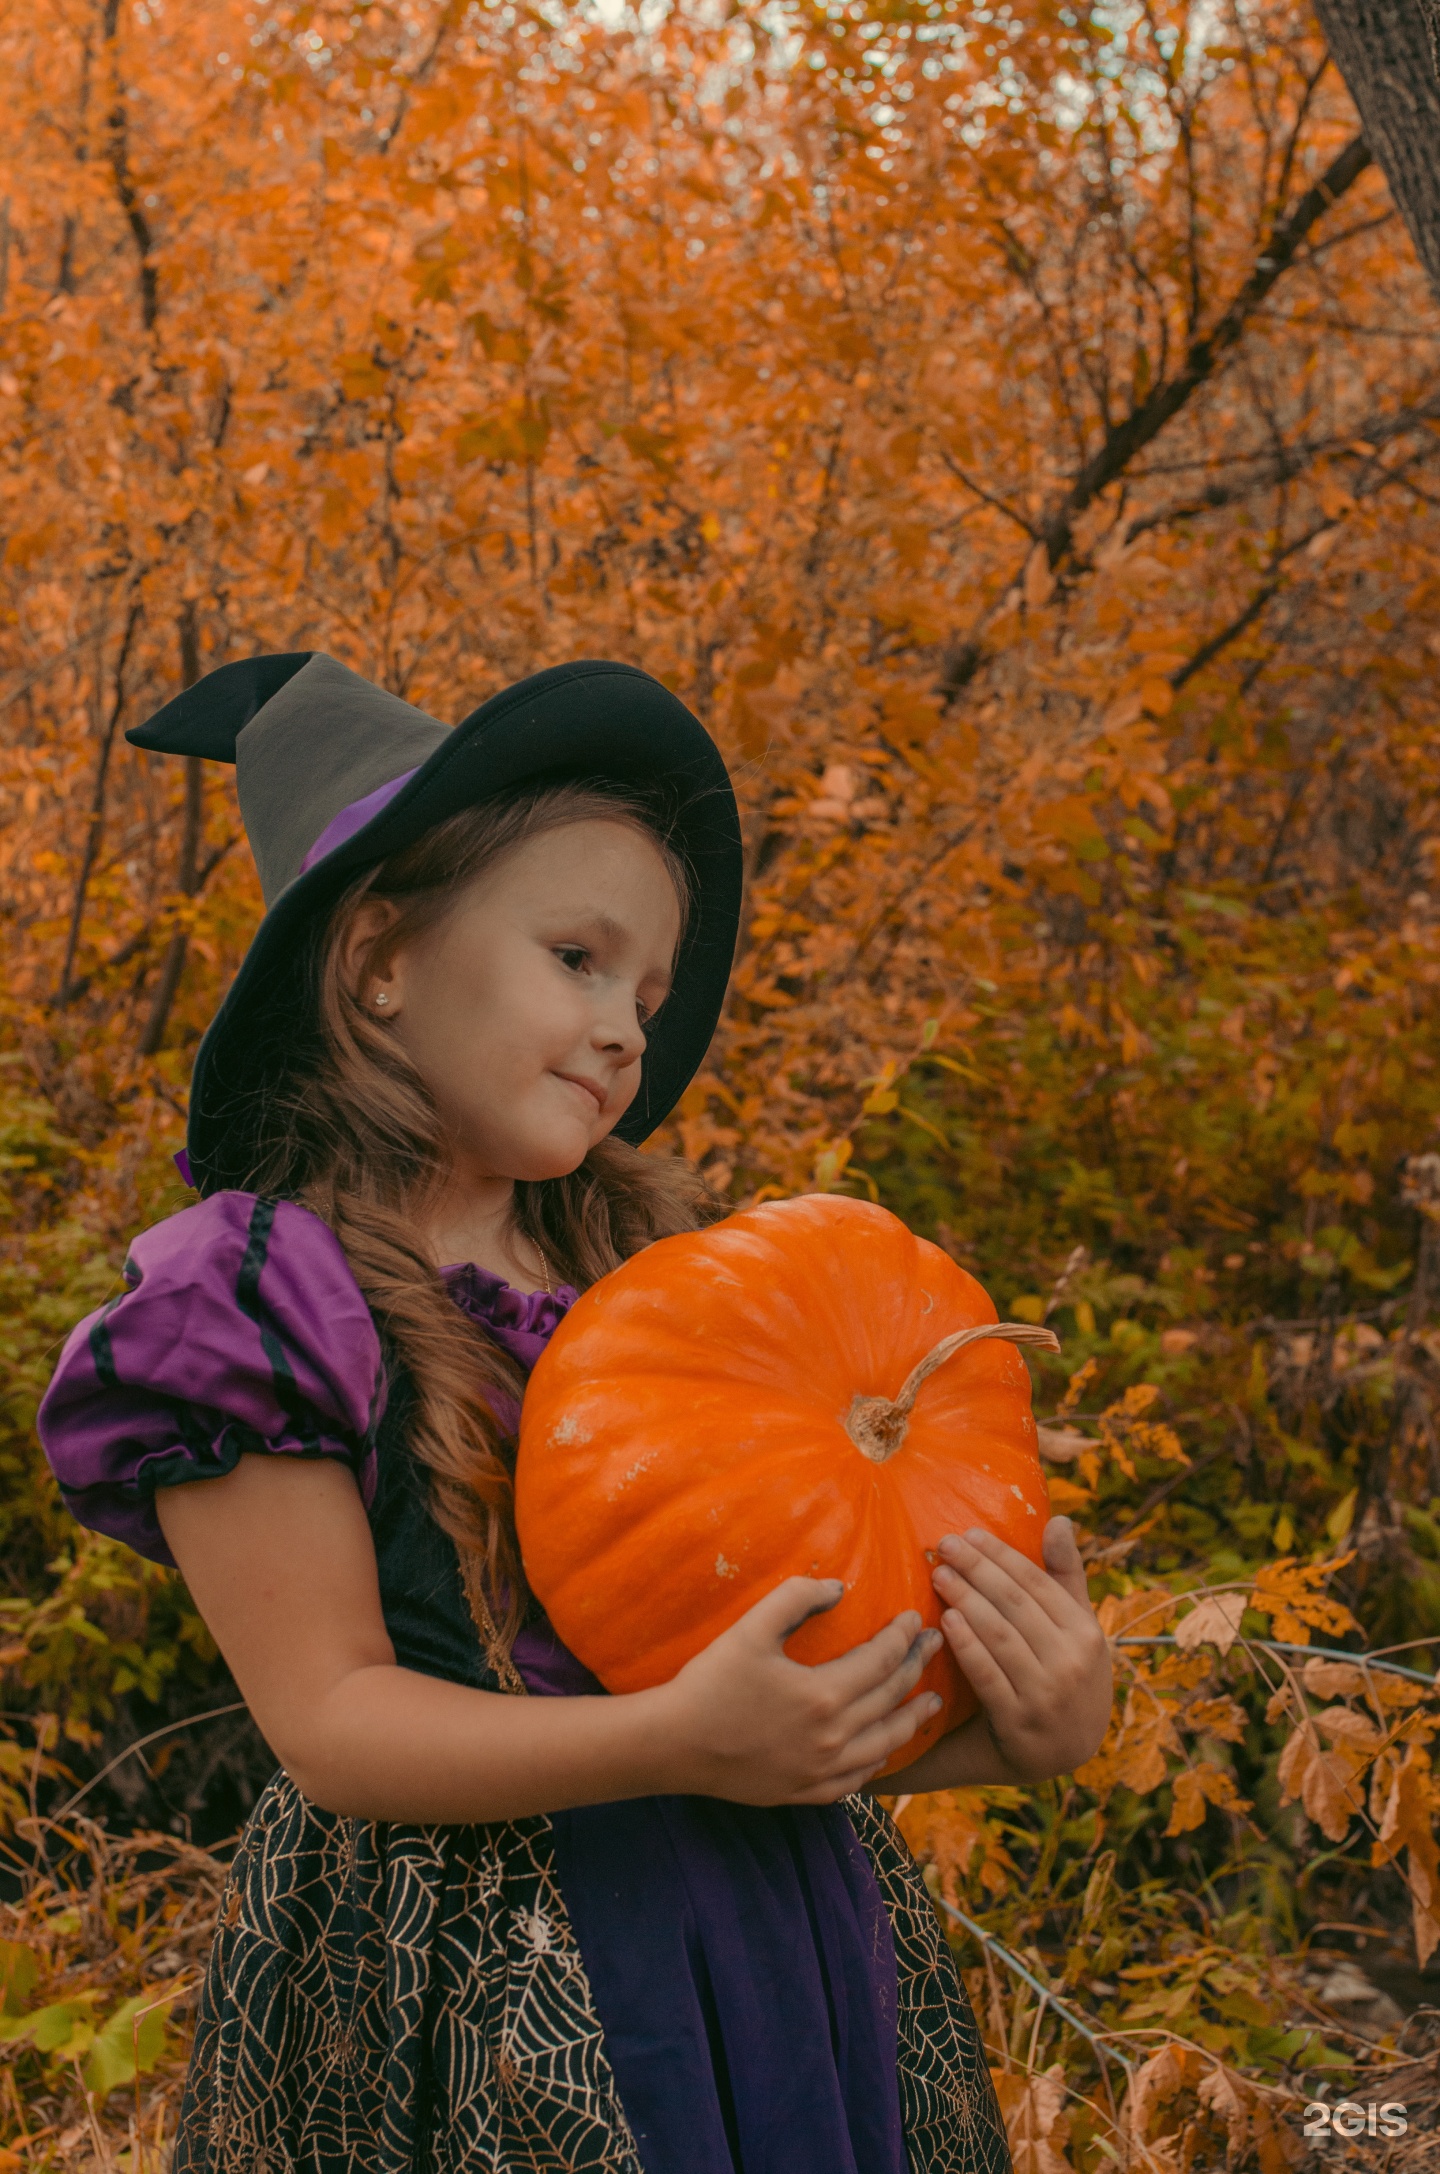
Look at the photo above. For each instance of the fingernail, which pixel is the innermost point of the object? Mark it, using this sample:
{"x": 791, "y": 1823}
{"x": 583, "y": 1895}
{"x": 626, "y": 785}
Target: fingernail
{"x": 931, "y": 1641}
{"x": 935, "y": 1702}
{"x": 976, "y": 1534}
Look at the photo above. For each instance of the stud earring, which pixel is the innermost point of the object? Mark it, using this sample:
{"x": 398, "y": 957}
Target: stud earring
{"x": 381, "y": 997}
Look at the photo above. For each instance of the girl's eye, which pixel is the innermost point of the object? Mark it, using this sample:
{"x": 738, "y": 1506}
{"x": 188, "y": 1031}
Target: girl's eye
{"x": 572, "y": 955}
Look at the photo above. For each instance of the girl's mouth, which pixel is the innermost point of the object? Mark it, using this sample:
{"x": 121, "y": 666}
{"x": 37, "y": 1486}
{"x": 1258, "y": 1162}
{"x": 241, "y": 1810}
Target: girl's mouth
{"x": 586, "y": 1087}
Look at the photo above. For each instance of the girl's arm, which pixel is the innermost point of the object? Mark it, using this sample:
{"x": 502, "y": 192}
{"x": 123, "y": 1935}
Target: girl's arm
{"x": 1036, "y": 1658}
{"x": 279, "y": 1559}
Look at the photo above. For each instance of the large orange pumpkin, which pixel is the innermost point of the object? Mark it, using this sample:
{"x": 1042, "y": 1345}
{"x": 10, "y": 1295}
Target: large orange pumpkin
{"x": 805, "y": 1387}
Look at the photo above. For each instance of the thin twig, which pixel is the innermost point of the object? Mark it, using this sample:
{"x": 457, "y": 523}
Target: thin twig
{"x": 191, "y": 1721}
{"x": 1022, "y": 1970}
{"x": 1321, "y": 1653}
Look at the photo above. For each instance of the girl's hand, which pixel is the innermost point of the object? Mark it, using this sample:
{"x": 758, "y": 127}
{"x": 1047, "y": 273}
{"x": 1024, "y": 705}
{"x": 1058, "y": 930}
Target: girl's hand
{"x": 746, "y": 1722}
{"x": 1029, "y": 1643}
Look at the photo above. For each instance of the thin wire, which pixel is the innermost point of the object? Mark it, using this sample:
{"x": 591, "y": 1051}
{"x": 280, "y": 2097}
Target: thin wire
{"x": 1321, "y": 1653}
{"x": 1013, "y": 1962}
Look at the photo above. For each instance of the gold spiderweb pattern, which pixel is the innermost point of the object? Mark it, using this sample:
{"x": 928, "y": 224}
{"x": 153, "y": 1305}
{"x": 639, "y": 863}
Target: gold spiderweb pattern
{"x": 388, "y": 1999}
{"x": 385, "y": 1998}
{"x": 951, "y": 2116}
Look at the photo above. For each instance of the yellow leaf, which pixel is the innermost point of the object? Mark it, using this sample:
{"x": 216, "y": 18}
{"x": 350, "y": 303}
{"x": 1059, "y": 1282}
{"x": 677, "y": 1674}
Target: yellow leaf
{"x": 1149, "y": 1608}
{"x": 1288, "y": 1593}
{"x": 1221, "y": 1717}
{"x": 1066, "y": 1499}
{"x": 830, "y": 1162}
{"x": 1342, "y": 1517}
{"x": 1142, "y": 1766}
{"x": 1214, "y": 1621}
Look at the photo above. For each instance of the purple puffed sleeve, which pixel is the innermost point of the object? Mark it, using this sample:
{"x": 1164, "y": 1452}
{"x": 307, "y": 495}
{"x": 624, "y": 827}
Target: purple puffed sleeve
{"x": 241, "y": 1328}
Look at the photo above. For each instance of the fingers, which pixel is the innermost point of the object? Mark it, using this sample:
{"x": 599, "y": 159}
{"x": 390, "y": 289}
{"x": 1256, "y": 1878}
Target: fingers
{"x": 769, "y": 1729}
{"x": 867, "y": 1692}
{"x": 871, "y": 1679}
{"x": 871, "y": 1750}
{"x": 1018, "y": 1588}
{"x": 1062, "y": 1559}
{"x": 868, "y": 1667}
{"x": 874, "y": 1705}
{"x": 875, "y": 1745}
{"x": 998, "y": 1622}
{"x": 780, "y": 1613}
{"x": 983, "y": 1671}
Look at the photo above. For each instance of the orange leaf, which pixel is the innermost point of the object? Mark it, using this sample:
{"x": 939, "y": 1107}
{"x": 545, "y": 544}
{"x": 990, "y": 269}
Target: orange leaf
{"x": 1195, "y": 1790}
{"x": 1408, "y": 1824}
{"x": 1323, "y": 1781}
{"x": 1035, "y": 2119}
{"x": 1214, "y": 1621}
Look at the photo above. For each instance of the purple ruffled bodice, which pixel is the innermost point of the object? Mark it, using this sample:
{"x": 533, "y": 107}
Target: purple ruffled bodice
{"x": 240, "y": 1328}
{"x": 740, "y": 1959}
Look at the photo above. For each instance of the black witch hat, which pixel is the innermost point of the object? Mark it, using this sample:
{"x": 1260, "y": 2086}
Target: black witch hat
{"x": 335, "y": 774}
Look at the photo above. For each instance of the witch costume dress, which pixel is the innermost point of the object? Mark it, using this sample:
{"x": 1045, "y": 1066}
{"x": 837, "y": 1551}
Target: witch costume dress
{"x": 665, "y": 1985}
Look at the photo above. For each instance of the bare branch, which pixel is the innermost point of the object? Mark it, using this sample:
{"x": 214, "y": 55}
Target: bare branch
{"x": 1145, "y": 422}
{"x": 65, "y": 989}
{"x": 118, "y": 132}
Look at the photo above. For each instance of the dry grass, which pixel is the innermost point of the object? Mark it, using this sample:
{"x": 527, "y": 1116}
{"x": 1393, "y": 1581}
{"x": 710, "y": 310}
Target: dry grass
{"x": 104, "y": 1940}
{"x": 102, "y": 1945}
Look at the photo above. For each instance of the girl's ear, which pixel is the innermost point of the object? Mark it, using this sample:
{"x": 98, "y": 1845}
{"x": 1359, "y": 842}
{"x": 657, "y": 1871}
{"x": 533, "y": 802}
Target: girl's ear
{"x": 363, "y": 951}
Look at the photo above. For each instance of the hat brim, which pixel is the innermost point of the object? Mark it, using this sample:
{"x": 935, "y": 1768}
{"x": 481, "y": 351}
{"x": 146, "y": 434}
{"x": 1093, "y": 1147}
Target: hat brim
{"x": 588, "y": 719}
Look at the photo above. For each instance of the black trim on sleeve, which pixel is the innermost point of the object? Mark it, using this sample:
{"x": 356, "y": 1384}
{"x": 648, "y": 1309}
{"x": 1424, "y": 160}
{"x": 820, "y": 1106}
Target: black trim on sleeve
{"x": 296, "y": 1408}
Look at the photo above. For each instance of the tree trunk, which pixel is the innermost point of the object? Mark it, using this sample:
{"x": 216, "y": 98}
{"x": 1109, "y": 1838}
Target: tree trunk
{"x": 67, "y": 987}
{"x": 1386, "y": 51}
{"x": 172, "y": 966}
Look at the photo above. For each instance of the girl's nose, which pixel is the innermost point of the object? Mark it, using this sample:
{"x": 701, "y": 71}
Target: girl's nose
{"x": 618, "y": 1030}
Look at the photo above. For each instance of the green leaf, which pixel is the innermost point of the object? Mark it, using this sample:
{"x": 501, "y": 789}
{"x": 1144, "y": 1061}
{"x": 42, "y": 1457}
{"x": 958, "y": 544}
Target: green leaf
{"x": 19, "y": 1969}
{"x": 52, "y": 2029}
{"x": 131, "y": 2040}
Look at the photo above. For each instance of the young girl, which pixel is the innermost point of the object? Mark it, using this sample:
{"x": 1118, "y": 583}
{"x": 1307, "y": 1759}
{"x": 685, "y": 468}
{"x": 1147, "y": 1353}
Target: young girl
{"x": 486, "y": 1917}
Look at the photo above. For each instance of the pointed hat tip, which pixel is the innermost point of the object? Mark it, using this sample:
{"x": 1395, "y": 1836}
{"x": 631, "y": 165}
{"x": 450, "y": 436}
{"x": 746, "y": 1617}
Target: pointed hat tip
{"x": 209, "y": 717}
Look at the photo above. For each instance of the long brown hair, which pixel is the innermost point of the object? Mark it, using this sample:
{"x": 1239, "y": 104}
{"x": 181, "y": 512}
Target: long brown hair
{"x": 356, "y": 1137}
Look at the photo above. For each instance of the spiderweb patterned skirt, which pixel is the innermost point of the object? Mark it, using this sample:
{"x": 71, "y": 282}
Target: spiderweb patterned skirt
{"x": 388, "y": 1999}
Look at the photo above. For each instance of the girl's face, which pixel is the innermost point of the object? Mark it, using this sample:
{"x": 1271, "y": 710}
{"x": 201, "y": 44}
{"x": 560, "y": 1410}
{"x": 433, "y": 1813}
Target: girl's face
{"x": 524, "y": 1009}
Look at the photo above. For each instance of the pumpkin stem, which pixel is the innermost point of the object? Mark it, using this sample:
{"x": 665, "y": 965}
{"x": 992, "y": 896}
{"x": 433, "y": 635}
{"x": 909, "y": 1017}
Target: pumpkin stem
{"x": 877, "y": 1425}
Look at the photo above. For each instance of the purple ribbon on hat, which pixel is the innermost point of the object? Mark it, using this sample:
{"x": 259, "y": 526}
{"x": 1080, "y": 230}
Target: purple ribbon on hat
{"x": 355, "y": 817}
